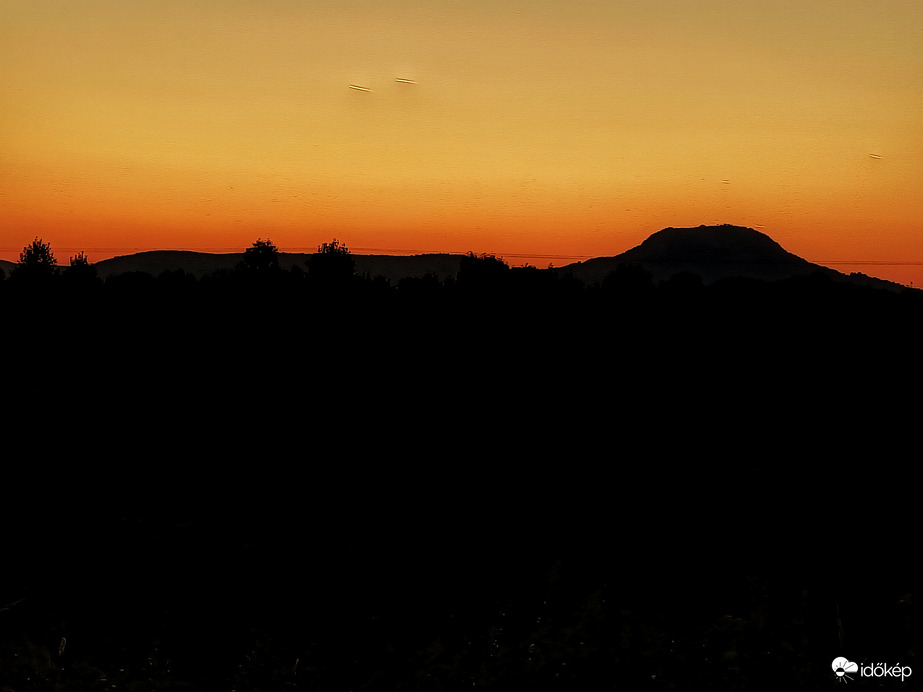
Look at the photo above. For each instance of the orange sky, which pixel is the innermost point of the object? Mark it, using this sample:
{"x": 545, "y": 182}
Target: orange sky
{"x": 544, "y": 130}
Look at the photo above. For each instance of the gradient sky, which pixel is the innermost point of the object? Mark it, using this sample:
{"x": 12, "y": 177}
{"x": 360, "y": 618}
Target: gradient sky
{"x": 533, "y": 129}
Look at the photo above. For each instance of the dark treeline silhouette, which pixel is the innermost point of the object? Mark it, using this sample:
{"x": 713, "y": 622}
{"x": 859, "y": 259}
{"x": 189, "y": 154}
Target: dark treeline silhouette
{"x": 328, "y": 286}
{"x": 516, "y": 353}
{"x": 490, "y": 340}
{"x": 307, "y": 478}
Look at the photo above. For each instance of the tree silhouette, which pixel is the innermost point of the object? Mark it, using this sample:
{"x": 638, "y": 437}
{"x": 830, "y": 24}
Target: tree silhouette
{"x": 262, "y": 257}
{"x": 36, "y": 261}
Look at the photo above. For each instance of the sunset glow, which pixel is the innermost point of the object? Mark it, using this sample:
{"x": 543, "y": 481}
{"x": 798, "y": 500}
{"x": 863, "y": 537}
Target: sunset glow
{"x": 540, "y": 131}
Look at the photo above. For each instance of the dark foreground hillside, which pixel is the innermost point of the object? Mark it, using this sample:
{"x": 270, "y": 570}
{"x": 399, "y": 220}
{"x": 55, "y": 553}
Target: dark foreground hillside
{"x": 507, "y": 480}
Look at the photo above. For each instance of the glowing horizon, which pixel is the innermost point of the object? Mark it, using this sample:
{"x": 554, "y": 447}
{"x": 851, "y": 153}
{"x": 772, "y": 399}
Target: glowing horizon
{"x": 527, "y": 130}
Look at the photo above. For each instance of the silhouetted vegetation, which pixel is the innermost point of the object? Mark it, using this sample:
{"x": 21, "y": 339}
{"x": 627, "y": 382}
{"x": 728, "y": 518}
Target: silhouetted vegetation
{"x": 36, "y": 262}
{"x": 262, "y": 257}
{"x": 306, "y": 478}
{"x": 80, "y": 274}
{"x": 332, "y": 265}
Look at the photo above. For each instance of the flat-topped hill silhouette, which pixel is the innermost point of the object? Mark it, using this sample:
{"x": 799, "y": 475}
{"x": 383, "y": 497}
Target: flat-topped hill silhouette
{"x": 713, "y": 253}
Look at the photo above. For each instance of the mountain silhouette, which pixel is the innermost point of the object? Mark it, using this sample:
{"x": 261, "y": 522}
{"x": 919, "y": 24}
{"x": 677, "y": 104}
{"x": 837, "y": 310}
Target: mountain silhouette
{"x": 713, "y": 253}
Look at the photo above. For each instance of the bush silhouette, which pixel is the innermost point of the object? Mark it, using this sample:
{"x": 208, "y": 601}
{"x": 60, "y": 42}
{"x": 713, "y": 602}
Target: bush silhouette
{"x": 80, "y": 272}
{"x": 332, "y": 264}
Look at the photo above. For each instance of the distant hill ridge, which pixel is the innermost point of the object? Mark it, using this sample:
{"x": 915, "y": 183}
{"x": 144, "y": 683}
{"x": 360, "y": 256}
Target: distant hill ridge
{"x": 710, "y": 252}
{"x": 199, "y": 264}
{"x": 393, "y": 267}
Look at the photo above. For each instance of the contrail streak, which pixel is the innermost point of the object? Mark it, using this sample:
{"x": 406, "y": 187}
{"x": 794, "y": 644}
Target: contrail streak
{"x": 359, "y": 88}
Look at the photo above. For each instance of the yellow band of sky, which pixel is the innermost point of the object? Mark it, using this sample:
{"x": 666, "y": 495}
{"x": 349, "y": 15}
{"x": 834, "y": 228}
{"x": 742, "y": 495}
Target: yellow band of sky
{"x": 528, "y": 128}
